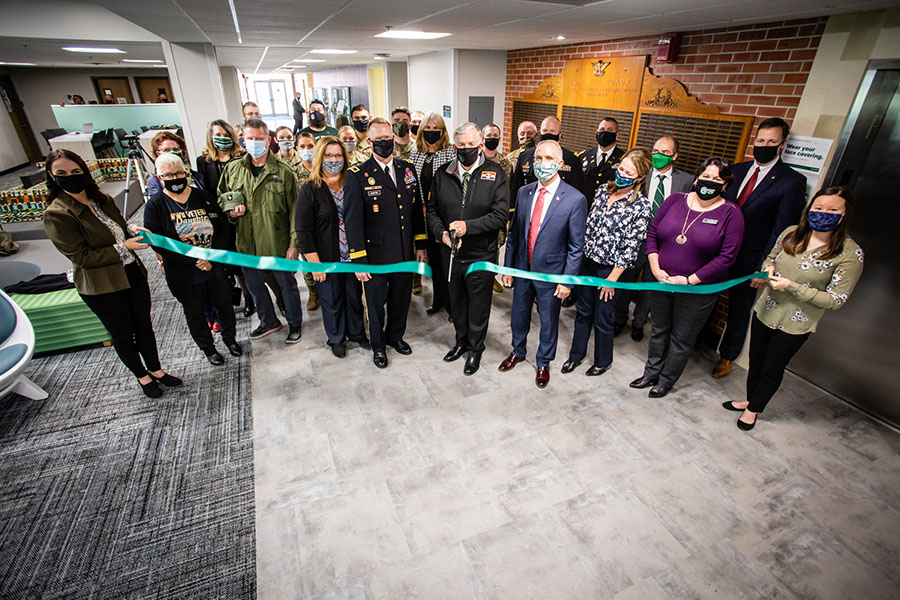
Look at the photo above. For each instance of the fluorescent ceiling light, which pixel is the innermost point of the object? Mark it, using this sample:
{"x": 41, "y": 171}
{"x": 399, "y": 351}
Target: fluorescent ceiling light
{"x": 94, "y": 50}
{"x": 141, "y": 60}
{"x": 332, "y": 51}
{"x": 405, "y": 34}
{"x": 237, "y": 28}
{"x": 376, "y": 57}
{"x": 17, "y": 64}
{"x": 559, "y": 37}
{"x": 309, "y": 60}
{"x": 261, "y": 58}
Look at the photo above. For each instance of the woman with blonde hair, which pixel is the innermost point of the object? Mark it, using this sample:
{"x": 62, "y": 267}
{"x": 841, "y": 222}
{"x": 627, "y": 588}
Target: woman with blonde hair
{"x": 319, "y": 222}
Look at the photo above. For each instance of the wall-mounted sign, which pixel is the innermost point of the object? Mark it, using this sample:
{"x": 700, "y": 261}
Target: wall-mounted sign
{"x": 447, "y": 111}
{"x": 807, "y": 156}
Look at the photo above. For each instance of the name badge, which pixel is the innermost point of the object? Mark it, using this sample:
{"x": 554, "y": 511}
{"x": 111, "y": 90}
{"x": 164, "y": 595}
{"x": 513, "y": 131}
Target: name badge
{"x": 372, "y": 193}
{"x": 489, "y": 175}
{"x": 711, "y": 221}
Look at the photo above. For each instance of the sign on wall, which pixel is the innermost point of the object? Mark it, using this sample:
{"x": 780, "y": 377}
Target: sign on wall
{"x": 807, "y": 155}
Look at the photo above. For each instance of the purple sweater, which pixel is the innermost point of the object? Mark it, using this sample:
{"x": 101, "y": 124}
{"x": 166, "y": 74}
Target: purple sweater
{"x": 712, "y": 243}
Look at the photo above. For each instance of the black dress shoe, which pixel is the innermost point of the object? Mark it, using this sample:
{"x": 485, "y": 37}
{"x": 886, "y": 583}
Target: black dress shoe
{"x": 380, "y": 360}
{"x": 455, "y": 353}
{"x": 401, "y": 347}
{"x": 730, "y": 406}
{"x": 473, "y": 361}
{"x": 167, "y": 380}
{"x": 745, "y": 426}
{"x": 659, "y": 390}
{"x": 637, "y": 334}
{"x": 432, "y": 310}
{"x": 339, "y": 350}
{"x": 234, "y": 348}
{"x": 569, "y": 366}
{"x": 151, "y": 390}
{"x": 595, "y": 370}
{"x": 363, "y": 342}
{"x": 215, "y": 358}
{"x": 617, "y": 329}
{"x": 642, "y": 382}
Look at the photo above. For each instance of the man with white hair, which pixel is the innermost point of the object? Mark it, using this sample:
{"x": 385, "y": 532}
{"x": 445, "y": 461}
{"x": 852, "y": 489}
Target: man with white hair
{"x": 546, "y": 236}
{"x": 466, "y": 209}
{"x": 569, "y": 168}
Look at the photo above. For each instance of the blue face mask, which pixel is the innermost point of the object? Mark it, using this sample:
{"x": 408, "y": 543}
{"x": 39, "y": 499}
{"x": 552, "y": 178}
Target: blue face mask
{"x": 823, "y": 221}
{"x": 305, "y": 154}
{"x": 545, "y": 170}
{"x": 256, "y": 148}
{"x": 623, "y": 182}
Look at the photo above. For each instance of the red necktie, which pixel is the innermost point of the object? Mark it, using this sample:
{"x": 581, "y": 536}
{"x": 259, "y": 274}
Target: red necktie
{"x": 748, "y": 189}
{"x": 535, "y": 221}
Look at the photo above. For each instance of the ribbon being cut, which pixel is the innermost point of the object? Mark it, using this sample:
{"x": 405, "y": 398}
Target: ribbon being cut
{"x": 273, "y": 263}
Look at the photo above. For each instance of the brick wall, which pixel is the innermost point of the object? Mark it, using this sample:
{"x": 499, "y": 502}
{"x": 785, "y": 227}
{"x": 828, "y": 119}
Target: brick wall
{"x": 755, "y": 70}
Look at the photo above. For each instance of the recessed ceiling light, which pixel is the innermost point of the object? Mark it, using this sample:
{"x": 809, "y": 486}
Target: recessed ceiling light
{"x": 17, "y": 64}
{"x": 141, "y": 60}
{"x": 406, "y": 34}
{"x": 94, "y": 50}
{"x": 332, "y": 51}
{"x": 376, "y": 57}
{"x": 559, "y": 37}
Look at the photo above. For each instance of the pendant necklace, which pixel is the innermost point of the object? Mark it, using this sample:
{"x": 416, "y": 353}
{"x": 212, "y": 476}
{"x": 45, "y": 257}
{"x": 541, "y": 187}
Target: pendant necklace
{"x": 681, "y": 238}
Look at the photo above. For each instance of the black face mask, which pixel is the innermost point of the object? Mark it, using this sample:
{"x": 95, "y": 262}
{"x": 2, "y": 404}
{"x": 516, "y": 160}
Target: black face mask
{"x": 432, "y": 136}
{"x": 605, "y": 138}
{"x": 74, "y": 184}
{"x": 491, "y": 143}
{"x": 414, "y": 129}
{"x": 550, "y": 136}
{"x": 383, "y": 148}
{"x": 316, "y": 117}
{"x": 467, "y": 156}
{"x": 177, "y": 185}
{"x": 707, "y": 189}
{"x": 361, "y": 125}
{"x": 764, "y": 154}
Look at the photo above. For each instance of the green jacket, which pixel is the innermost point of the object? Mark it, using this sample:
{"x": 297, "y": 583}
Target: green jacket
{"x": 267, "y": 228}
{"x": 86, "y": 241}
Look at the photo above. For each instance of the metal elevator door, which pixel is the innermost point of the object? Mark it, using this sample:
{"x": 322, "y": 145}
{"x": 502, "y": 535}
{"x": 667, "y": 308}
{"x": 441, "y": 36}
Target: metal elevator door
{"x": 855, "y": 353}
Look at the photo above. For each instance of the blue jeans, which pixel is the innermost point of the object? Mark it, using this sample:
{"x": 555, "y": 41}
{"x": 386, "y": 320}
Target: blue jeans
{"x": 290, "y": 293}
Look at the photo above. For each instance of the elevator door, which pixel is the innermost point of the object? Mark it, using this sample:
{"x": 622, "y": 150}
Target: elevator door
{"x": 855, "y": 354}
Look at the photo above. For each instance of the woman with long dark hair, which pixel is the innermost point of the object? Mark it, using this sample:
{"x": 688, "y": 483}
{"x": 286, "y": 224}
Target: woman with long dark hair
{"x": 85, "y": 225}
{"x": 812, "y": 268}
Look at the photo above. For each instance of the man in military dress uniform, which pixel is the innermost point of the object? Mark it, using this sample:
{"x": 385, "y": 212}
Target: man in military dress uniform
{"x": 598, "y": 163}
{"x": 385, "y": 224}
{"x": 569, "y": 170}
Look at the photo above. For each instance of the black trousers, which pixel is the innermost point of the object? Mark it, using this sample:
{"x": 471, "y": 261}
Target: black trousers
{"x": 770, "y": 352}
{"x": 640, "y": 271}
{"x": 676, "y": 321}
{"x": 215, "y": 292}
{"x": 391, "y": 294}
{"x": 439, "y": 264}
{"x": 298, "y": 124}
{"x": 126, "y": 315}
{"x": 740, "y": 304}
{"x": 342, "y": 308}
{"x": 593, "y": 314}
{"x": 470, "y": 304}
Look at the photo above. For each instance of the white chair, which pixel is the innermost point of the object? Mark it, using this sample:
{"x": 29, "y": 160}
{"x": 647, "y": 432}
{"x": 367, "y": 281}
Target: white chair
{"x": 16, "y": 348}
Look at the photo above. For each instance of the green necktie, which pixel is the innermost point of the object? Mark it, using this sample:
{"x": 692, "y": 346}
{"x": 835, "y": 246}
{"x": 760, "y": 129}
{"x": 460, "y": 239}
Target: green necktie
{"x": 660, "y": 194}
{"x": 465, "y": 185}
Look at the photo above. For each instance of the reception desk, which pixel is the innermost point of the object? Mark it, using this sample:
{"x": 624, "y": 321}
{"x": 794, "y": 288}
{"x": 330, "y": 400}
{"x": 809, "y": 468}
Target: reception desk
{"x": 129, "y": 117}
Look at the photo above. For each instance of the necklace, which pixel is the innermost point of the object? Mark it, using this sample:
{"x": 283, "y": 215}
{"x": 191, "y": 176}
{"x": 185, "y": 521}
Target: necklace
{"x": 681, "y": 238}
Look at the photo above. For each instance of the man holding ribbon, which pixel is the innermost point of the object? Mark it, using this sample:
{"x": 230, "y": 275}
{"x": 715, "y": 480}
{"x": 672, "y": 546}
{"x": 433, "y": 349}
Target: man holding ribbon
{"x": 546, "y": 236}
{"x": 467, "y": 208}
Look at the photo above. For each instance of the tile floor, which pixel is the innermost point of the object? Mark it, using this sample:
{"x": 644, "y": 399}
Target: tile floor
{"x": 418, "y": 482}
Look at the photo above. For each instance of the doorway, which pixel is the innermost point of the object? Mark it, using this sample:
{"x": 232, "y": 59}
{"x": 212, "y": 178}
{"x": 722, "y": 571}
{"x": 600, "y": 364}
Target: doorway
{"x": 272, "y": 98}
{"x": 149, "y": 88}
{"x": 16, "y": 111}
{"x": 116, "y": 88}
{"x": 853, "y": 353}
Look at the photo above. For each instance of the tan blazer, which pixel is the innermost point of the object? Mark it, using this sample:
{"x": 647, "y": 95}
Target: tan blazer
{"x": 84, "y": 240}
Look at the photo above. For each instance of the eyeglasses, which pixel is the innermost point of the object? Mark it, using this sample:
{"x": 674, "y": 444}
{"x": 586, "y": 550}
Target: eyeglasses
{"x": 175, "y": 175}
{"x": 333, "y": 156}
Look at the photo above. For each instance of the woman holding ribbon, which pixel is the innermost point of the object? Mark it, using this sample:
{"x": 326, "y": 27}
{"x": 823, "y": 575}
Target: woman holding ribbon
{"x": 813, "y": 267}
{"x": 693, "y": 239}
{"x": 319, "y": 221}
{"x": 616, "y": 228}
{"x": 186, "y": 214}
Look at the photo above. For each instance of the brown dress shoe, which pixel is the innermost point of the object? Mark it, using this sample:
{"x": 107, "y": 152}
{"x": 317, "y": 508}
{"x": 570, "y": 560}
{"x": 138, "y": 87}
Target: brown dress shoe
{"x": 542, "y": 378}
{"x": 417, "y": 284}
{"x": 722, "y": 368}
{"x": 509, "y": 362}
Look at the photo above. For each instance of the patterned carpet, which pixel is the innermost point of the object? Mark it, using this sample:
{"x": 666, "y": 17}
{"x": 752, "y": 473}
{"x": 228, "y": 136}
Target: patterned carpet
{"x": 105, "y": 493}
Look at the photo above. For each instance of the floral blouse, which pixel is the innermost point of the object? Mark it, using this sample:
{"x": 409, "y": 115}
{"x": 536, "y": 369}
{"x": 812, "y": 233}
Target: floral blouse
{"x": 615, "y": 232}
{"x": 816, "y": 285}
{"x": 126, "y": 255}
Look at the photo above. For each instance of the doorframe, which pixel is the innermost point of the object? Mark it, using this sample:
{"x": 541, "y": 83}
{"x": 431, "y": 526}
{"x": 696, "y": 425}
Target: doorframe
{"x": 99, "y": 93}
{"x": 24, "y": 132}
{"x": 137, "y": 85}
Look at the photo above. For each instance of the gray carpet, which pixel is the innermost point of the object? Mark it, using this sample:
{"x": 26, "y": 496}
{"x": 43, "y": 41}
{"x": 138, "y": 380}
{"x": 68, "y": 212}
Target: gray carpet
{"x": 108, "y": 494}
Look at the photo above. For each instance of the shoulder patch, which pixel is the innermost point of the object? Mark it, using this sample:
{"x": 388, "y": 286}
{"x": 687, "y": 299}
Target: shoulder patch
{"x": 489, "y": 175}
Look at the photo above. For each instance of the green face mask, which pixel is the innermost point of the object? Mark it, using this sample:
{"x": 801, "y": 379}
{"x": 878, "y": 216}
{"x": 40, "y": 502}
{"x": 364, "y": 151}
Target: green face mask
{"x": 400, "y": 129}
{"x": 661, "y": 161}
{"x": 179, "y": 154}
{"x": 223, "y": 143}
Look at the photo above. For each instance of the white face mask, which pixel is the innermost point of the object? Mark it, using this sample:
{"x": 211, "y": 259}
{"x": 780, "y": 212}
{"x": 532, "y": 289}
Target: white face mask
{"x": 286, "y": 145}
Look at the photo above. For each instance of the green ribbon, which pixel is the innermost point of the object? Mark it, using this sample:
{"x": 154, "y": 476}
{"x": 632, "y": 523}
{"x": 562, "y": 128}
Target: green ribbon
{"x": 571, "y": 280}
{"x": 273, "y": 263}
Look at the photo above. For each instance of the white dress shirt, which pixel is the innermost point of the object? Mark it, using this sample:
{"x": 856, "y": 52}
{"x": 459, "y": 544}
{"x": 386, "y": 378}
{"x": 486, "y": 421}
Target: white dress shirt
{"x": 389, "y": 170}
{"x": 548, "y": 198}
{"x": 654, "y": 183}
{"x": 601, "y": 153}
{"x": 763, "y": 171}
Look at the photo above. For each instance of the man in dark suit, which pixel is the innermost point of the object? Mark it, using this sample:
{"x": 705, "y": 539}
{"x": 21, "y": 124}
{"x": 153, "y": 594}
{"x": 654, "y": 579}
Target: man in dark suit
{"x": 546, "y": 236}
{"x": 385, "y": 224}
{"x": 663, "y": 181}
{"x": 569, "y": 169}
{"x": 298, "y": 113}
{"x": 598, "y": 163}
{"x": 771, "y": 196}
{"x": 469, "y": 205}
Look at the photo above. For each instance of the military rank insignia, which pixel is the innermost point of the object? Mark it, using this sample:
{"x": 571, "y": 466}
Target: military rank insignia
{"x": 489, "y": 175}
